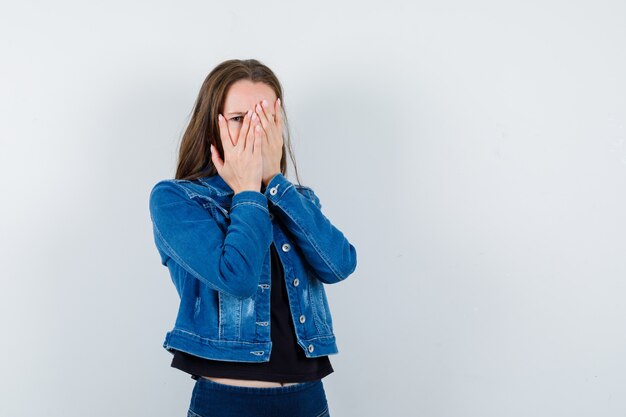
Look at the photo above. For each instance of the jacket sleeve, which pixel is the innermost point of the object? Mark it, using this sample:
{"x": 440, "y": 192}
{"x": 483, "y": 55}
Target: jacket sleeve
{"x": 185, "y": 231}
{"x": 327, "y": 251}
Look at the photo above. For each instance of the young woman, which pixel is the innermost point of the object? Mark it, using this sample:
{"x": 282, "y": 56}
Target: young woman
{"x": 249, "y": 253}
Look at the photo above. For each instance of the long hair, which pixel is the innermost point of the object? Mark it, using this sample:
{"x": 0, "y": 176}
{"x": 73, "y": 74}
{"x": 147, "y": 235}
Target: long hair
{"x": 194, "y": 157}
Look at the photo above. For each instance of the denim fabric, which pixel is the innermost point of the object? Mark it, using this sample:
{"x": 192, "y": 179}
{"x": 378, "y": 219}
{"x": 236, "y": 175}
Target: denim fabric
{"x": 216, "y": 246}
{"x": 213, "y": 399}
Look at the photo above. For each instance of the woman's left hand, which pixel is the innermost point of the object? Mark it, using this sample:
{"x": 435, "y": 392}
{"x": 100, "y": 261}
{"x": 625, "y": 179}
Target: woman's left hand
{"x": 272, "y": 135}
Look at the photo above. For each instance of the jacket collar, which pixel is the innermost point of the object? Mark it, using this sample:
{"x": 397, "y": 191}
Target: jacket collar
{"x": 217, "y": 185}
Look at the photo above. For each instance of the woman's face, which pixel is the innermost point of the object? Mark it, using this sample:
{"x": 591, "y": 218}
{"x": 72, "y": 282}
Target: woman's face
{"x": 242, "y": 96}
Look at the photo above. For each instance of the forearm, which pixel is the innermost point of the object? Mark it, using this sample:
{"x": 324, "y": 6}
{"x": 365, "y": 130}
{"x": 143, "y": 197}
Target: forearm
{"x": 326, "y": 249}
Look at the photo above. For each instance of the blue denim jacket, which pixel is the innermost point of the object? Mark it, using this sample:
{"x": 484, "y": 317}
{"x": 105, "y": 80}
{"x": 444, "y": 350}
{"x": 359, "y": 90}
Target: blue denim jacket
{"x": 216, "y": 246}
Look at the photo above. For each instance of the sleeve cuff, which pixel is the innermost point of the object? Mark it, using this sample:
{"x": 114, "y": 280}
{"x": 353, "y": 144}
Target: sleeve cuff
{"x": 277, "y": 187}
{"x": 250, "y": 197}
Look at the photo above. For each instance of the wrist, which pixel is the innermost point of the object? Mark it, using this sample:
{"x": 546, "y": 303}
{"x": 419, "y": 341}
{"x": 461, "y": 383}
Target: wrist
{"x": 246, "y": 188}
{"x": 267, "y": 179}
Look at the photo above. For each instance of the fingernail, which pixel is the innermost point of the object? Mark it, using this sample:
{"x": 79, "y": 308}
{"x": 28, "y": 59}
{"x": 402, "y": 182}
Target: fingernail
{"x": 264, "y": 103}
{"x": 220, "y": 118}
{"x": 278, "y": 101}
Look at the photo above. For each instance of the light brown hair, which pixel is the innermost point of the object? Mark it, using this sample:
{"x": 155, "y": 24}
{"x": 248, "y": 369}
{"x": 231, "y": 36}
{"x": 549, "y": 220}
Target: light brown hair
{"x": 194, "y": 157}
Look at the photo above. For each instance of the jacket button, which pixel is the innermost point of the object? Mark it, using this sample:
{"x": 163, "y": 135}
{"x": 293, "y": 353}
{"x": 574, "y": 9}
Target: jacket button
{"x": 296, "y": 282}
{"x": 271, "y": 216}
{"x": 273, "y": 191}
{"x": 286, "y": 247}
{"x": 310, "y": 348}
{"x": 302, "y": 318}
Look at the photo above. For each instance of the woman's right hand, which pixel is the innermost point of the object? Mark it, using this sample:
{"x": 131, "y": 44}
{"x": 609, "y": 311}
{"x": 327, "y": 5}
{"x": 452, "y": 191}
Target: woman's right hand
{"x": 242, "y": 167}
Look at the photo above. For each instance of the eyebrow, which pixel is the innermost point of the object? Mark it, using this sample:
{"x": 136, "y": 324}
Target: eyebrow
{"x": 241, "y": 113}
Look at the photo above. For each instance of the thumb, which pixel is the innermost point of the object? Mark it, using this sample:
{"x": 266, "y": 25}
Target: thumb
{"x": 215, "y": 157}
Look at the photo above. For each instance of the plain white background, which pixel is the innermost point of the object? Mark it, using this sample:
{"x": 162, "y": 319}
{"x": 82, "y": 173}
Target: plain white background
{"x": 474, "y": 154}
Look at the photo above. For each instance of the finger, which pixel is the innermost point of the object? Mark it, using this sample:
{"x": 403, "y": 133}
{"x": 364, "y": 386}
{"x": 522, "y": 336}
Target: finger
{"x": 263, "y": 112}
{"x": 243, "y": 133}
{"x": 279, "y": 115}
{"x": 250, "y": 136}
{"x": 258, "y": 141}
{"x": 262, "y": 133}
{"x": 227, "y": 142}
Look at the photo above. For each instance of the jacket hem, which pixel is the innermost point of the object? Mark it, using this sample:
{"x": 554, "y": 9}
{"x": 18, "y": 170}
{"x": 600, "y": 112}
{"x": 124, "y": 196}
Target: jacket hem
{"x": 239, "y": 351}
{"x": 322, "y": 346}
{"x": 223, "y": 350}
